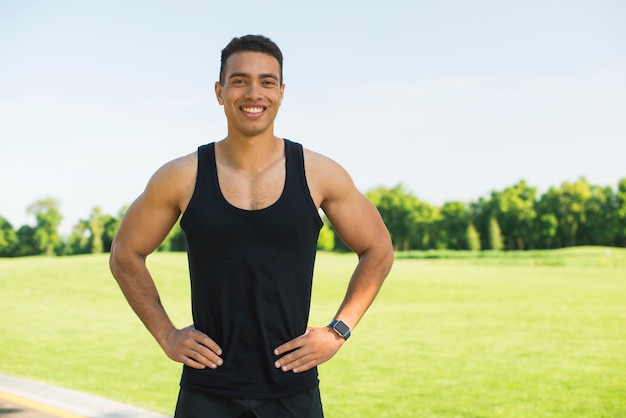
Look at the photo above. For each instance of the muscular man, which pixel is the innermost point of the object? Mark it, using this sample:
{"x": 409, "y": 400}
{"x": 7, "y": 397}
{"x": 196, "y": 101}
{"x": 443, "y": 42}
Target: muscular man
{"x": 250, "y": 214}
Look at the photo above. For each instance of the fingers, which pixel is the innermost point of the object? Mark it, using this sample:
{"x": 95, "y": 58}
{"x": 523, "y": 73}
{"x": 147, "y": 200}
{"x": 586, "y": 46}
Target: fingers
{"x": 291, "y": 345}
{"x": 312, "y": 348}
{"x": 296, "y": 346}
{"x": 298, "y": 364}
{"x": 287, "y": 362}
{"x": 194, "y": 349}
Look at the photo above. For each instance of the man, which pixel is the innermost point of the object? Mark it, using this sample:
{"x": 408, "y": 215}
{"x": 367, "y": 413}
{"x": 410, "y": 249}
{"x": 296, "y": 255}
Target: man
{"x": 249, "y": 206}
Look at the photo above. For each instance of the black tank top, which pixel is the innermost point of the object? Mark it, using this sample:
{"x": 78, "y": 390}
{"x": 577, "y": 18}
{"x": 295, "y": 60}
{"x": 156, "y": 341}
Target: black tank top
{"x": 251, "y": 274}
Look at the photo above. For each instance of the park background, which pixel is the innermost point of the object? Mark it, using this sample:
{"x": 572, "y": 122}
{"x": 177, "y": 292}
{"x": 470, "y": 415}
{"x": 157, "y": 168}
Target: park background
{"x": 453, "y": 99}
{"x": 484, "y": 127}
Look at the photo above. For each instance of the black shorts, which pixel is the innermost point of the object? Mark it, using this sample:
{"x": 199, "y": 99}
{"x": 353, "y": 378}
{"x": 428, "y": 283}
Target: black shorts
{"x": 303, "y": 405}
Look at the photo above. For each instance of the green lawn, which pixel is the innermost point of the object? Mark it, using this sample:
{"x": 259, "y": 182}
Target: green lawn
{"x": 535, "y": 334}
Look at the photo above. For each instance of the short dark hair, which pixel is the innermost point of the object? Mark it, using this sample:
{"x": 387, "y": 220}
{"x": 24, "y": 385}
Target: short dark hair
{"x": 251, "y": 43}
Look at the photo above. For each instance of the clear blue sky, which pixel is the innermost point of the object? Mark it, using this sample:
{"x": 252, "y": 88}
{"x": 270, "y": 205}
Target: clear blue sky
{"x": 454, "y": 99}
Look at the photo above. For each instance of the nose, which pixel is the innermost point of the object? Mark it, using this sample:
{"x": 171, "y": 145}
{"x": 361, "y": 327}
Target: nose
{"x": 253, "y": 91}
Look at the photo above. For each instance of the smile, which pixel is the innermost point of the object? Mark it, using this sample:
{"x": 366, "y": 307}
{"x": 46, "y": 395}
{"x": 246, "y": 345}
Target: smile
{"x": 253, "y": 109}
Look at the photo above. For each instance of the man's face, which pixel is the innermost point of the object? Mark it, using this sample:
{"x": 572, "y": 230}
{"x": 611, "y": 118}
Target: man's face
{"x": 252, "y": 93}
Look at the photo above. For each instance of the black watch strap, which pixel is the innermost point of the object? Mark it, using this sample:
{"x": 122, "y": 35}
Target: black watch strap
{"x": 340, "y": 328}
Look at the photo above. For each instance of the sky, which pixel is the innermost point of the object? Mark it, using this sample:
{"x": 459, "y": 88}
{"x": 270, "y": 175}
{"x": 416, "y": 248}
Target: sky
{"x": 452, "y": 99}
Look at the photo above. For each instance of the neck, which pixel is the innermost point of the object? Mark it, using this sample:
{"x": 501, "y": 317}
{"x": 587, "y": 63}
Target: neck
{"x": 249, "y": 153}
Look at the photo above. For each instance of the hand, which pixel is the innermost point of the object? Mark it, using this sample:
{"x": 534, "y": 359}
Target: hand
{"x": 192, "y": 348}
{"x": 312, "y": 348}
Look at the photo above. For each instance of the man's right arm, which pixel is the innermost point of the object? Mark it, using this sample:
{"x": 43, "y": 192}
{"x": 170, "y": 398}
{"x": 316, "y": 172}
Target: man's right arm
{"x": 144, "y": 226}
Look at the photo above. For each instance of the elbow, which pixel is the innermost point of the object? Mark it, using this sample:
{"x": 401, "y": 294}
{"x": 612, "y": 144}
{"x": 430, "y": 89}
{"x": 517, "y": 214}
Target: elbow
{"x": 121, "y": 260}
{"x": 125, "y": 261}
{"x": 381, "y": 254}
{"x": 114, "y": 260}
{"x": 386, "y": 254}
{"x": 389, "y": 255}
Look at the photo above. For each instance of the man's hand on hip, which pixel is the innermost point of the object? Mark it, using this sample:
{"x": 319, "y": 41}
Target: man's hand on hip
{"x": 312, "y": 348}
{"x": 192, "y": 348}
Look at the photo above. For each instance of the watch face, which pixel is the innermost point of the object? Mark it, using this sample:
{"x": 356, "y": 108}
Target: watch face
{"x": 342, "y": 328}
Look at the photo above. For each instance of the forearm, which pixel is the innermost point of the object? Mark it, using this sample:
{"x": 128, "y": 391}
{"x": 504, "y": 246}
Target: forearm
{"x": 137, "y": 285}
{"x": 319, "y": 344}
{"x": 372, "y": 269}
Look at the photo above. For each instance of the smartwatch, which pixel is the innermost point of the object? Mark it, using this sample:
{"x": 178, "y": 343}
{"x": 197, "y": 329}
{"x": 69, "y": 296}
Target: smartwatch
{"x": 340, "y": 328}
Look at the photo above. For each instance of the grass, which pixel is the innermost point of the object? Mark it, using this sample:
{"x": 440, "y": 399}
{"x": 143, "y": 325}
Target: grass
{"x": 535, "y": 334}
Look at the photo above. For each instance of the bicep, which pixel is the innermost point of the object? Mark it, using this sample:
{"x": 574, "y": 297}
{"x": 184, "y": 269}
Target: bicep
{"x": 145, "y": 226}
{"x": 148, "y": 220}
{"x": 355, "y": 219}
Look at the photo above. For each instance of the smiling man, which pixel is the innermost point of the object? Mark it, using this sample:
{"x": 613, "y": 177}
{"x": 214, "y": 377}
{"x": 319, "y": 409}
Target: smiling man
{"x": 250, "y": 213}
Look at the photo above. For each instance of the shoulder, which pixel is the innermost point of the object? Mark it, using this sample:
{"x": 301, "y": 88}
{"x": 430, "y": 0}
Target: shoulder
{"x": 173, "y": 170}
{"x": 355, "y": 219}
{"x": 321, "y": 166}
{"x": 151, "y": 216}
{"x": 180, "y": 165}
{"x": 174, "y": 181}
{"x": 326, "y": 178}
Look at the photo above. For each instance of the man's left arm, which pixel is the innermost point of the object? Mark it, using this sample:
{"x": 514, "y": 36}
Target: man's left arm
{"x": 360, "y": 227}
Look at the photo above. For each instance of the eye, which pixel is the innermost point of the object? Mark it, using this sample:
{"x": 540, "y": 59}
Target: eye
{"x": 269, "y": 83}
{"x": 238, "y": 82}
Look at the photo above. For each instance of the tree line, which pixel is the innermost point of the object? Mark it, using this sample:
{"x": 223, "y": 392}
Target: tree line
{"x": 516, "y": 218}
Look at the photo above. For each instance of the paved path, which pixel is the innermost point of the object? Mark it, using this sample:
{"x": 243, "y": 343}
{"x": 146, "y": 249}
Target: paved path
{"x": 20, "y": 398}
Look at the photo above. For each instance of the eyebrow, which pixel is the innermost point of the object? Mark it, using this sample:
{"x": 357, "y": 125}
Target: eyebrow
{"x": 246, "y": 75}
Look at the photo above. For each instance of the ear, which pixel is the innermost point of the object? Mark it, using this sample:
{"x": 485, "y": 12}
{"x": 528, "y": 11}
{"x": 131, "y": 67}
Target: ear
{"x": 218, "y": 93}
{"x": 282, "y": 94}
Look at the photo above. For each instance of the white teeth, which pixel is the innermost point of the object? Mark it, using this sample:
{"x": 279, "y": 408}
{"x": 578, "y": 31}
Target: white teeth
{"x": 252, "y": 109}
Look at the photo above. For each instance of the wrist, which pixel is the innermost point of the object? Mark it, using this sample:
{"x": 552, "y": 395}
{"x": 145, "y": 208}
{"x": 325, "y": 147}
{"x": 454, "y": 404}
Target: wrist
{"x": 164, "y": 335}
{"x": 340, "y": 328}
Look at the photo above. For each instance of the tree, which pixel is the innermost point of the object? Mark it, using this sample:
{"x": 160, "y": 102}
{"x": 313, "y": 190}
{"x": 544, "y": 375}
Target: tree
{"x": 424, "y": 221}
{"x": 548, "y": 214}
{"x": 574, "y": 214}
{"x": 96, "y": 223}
{"x": 111, "y": 225}
{"x": 515, "y": 210}
{"x": 620, "y": 233}
{"x": 473, "y": 238}
{"x": 92, "y": 235}
{"x": 8, "y": 238}
{"x": 453, "y": 226}
{"x": 495, "y": 236}
{"x": 601, "y": 220}
{"x": 26, "y": 244}
{"x": 546, "y": 229}
{"x": 397, "y": 208}
{"x": 175, "y": 240}
{"x": 479, "y": 214}
{"x": 79, "y": 240}
{"x": 48, "y": 218}
{"x": 571, "y": 213}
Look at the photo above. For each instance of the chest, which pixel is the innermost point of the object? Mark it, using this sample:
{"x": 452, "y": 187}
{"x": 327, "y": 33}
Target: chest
{"x": 252, "y": 190}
